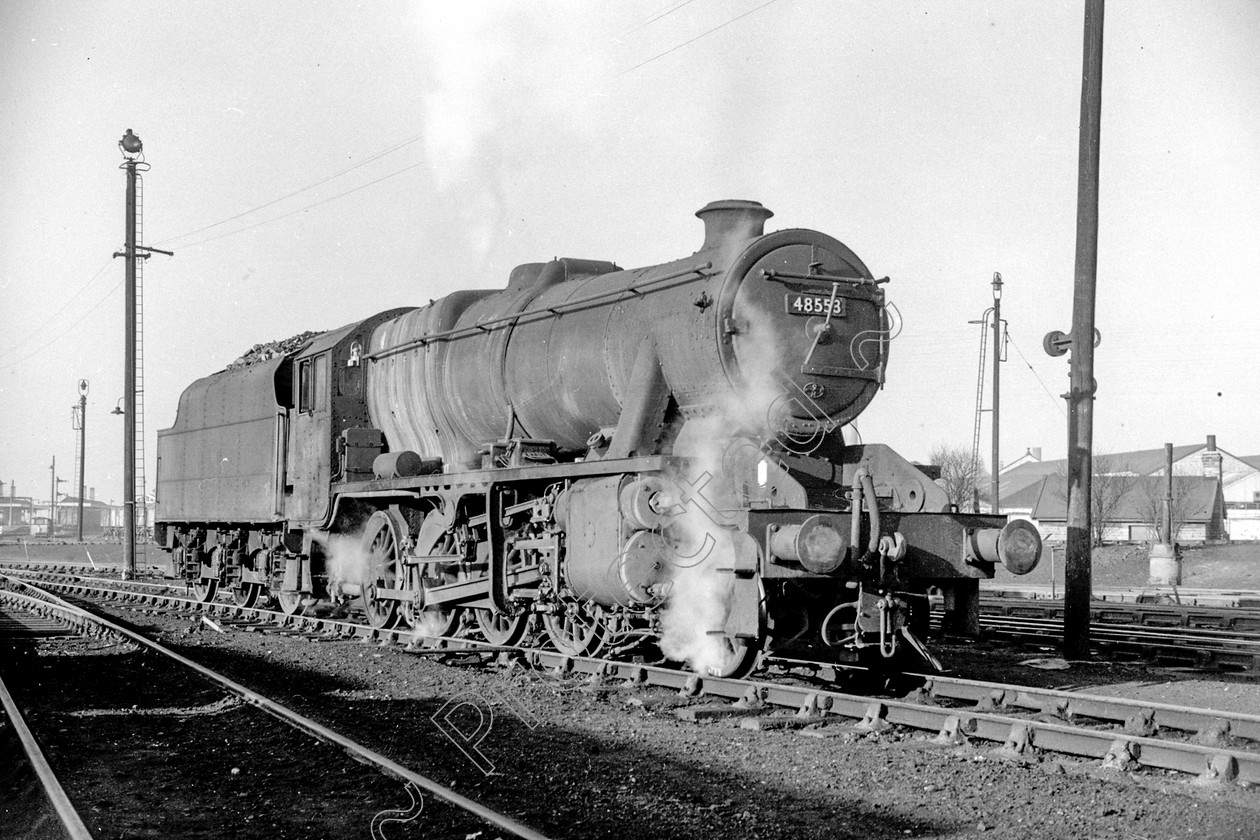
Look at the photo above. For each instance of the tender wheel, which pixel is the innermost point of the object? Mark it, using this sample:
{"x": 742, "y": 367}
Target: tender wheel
{"x": 578, "y": 631}
{"x": 500, "y": 629}
{"x": 382, "y": 550}
{"x": 290, "y": 603}
{"x": 205, "y": 589}
{"x": 246, "y": 594}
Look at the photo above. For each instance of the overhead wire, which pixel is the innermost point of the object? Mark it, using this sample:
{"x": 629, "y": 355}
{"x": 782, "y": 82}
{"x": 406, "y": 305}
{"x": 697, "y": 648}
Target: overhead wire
{"x": 303, "y": 209}
{"x": 655, "y": 16}
{"x": 111, "y": 292}
{"x": 168, "y": 242}
{"x": 1057, "y": 403}
{"x": 59, "y": 335}
{"x": 53, "y": 316}
{"x": 365, "y": 162}
{"x": 693, "y": 40}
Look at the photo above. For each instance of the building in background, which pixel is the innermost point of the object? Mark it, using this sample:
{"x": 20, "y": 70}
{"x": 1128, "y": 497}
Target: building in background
{"x": 1033, "y": 488}
{"x": 16, "y": 514}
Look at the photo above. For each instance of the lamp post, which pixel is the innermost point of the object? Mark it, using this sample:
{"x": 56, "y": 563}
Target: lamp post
{"x": 80, "y": 423}
{"x": 133, "y": 160}
{"x": 132, "y": 150}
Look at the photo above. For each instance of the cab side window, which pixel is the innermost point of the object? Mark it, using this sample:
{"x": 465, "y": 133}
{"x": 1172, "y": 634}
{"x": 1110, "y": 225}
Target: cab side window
{"x": 321, "y": 382}
{"x": 305, "y": 398}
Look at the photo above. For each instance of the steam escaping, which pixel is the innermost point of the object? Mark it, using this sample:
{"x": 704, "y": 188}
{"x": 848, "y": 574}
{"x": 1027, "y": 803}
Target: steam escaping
{"x": 347, "y": 561}
{"x": 699, "y": 596}
{"x": 495, "y": 72}
{"x": 430, "y": 624}
{"x": 693, "y": 621}
{"x": 753, "y": 407}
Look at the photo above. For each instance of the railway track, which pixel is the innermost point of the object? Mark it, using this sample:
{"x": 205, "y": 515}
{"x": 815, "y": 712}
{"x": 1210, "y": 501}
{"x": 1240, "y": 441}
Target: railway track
{"x": 1020, "y": 721}
{"x": 1189, "y": 635}
{"x": 1196, "y": 635}
{"x": 36, "y": 802}
{"x": 45, "y": 606}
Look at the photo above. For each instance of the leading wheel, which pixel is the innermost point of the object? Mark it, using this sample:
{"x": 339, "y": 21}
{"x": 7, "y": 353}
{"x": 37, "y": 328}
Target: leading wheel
{"x": 718, "y": 653}
{"x": 734, "y": 659}
{"x": 580, "y": 630}
{"x": 382, "y": 552}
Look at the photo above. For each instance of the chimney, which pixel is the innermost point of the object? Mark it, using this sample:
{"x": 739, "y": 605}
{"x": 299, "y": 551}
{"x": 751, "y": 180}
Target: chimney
{"x": 732, "y": 221}
{"x": 92, "y": 494}
{"x": 1212, "y": 461}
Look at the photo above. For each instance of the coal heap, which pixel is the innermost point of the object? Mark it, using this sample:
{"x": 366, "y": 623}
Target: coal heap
{"x": 272, "y": 349}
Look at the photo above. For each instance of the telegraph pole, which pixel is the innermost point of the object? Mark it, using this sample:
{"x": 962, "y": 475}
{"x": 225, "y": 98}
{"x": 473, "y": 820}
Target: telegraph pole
{"x": 997, "y": 358}
{"x": 52, "y": 503}
{"x": 1078, "y": 583}
{"x": 81, "y": 424}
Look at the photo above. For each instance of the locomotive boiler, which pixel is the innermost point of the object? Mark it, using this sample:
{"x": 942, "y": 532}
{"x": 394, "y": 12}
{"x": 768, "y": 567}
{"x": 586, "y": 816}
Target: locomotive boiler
{"x": 600, "y": 459}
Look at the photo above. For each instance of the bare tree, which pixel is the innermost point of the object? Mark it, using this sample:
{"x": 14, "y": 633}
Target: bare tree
{"x": 1153, "y": 498}
{"x": 960, "y": 476}
{"x": 1110, "y": 482}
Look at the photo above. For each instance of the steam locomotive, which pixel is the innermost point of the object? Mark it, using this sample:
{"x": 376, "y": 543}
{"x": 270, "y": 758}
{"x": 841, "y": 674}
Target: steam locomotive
{"x": 601, "y": 459}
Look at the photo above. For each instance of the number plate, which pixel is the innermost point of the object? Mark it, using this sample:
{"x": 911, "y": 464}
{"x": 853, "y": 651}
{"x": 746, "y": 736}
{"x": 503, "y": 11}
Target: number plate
{"x": 813, "y": 305}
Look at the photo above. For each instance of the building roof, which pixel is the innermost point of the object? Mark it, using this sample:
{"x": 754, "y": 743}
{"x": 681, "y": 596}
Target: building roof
{"x": 1019, "y": 478}
{"x": 1148, "y": 461}
{"x": 1025, "y": 498}
{"x": 73, "y": 501}
{"x": 1200, "y": 495}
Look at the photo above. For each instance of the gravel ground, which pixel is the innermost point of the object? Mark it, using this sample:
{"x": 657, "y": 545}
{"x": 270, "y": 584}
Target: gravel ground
{"x": 575, "y": 762}
{"x": 146, "y": 751}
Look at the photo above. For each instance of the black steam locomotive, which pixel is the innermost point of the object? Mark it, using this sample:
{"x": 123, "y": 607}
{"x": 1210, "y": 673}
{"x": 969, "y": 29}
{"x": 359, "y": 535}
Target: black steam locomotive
{"x": 619, "y": 460}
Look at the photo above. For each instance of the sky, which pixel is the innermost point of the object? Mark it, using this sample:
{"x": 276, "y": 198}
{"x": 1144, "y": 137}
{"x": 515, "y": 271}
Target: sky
{"x": 313, "y": 163}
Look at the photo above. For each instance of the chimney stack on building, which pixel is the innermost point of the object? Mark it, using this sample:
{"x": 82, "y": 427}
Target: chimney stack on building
{"x": 1212, "y": 460}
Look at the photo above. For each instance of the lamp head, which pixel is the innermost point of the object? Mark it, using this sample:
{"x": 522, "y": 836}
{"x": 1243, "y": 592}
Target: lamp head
{"x": 130, "y": 145}
{"x": 997, "y": 285}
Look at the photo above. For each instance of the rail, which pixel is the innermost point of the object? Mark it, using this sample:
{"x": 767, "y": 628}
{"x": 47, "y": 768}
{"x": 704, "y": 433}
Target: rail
{"x": 1019, "y": 718}
{"x": 298, "y": 721}
{"x": 71, "y": 823}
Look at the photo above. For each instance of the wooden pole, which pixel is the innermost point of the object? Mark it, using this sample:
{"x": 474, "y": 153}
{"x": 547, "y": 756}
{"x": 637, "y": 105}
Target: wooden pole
{"x": 1077, "y": 578}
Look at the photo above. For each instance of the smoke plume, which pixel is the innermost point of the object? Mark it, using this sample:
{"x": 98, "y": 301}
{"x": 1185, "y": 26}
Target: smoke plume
{"x": 346, "y": 561}
{"x": 715, "y": 445}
